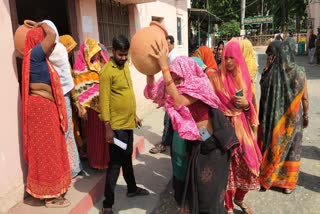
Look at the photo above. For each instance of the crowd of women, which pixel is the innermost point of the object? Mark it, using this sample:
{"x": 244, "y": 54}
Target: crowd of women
{"x": 224, "y": 145}
{"x": 227, "y": 143}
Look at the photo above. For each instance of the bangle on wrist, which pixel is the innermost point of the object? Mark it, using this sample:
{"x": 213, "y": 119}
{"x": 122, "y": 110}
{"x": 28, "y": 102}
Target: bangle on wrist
{"x": 247, "y": 108}
{"x": 164, "y": 70}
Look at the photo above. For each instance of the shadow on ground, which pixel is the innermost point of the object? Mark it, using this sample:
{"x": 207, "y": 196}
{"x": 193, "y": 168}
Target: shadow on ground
{"x": 311, "y": 152}
{"x": 308, "y": 181}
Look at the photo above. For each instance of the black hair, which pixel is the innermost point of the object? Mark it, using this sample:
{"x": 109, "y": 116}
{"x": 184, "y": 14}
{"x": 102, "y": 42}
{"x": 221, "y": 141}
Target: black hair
{"x": 220, "y": 43}
{"x": 171, "y": 38}
{"x": 121, "y": 43}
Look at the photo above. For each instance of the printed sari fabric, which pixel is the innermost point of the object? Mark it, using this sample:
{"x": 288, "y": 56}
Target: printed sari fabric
{"x": 43, "y": 124}
{"x": 86, "y": 72}
{"x": 73, "y": 154}
{"x": 86, "y": 77}
{"x": 280, "y": 132}
{"x": 245, "y": 164}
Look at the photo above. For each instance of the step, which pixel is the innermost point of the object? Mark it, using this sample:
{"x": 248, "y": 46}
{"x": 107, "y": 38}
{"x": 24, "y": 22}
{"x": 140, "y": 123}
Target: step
{"x": 83, "y": 193}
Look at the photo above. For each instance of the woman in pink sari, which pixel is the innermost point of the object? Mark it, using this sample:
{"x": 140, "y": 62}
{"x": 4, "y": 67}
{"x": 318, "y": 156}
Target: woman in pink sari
{"x": 90, "y": 59}
{"x": 232, "y": 85}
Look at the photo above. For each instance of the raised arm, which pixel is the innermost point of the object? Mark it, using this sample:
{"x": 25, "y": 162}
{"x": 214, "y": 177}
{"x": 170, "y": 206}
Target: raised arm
{"x": 161, "y": 54}
{"x": 49, "y": 40}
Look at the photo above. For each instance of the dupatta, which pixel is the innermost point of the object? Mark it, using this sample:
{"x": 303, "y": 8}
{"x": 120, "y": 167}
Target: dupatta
{"x": 35, "y": 37}
{"x": 226, "y": 85}
{"x": 86, "y": 73}
{"x": 195, "y": 84}
{"x": 206, "y": 54}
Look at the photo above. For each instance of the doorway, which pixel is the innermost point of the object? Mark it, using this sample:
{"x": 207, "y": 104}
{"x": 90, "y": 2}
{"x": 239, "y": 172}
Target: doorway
{"x": 61, "y": 12}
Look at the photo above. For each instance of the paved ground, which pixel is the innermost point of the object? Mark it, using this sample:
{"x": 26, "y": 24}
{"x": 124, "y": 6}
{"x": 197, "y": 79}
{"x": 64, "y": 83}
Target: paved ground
{"x": 154, "y": 171}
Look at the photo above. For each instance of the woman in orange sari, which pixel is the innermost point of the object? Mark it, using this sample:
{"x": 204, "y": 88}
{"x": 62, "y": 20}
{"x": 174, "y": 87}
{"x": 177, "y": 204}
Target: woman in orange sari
{"x": 44, "y": 121}
{"x": 232, "y": 85}
{"x": 206, "y": 54}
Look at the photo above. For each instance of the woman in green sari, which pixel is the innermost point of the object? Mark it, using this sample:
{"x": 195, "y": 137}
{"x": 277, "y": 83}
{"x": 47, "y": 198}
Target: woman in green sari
{"x": 282, "y": 117}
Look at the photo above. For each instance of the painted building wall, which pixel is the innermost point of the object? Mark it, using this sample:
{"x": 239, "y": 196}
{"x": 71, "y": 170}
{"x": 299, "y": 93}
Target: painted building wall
{"x": 140, "y": 16}
{"x": 314, "y": 13}
{"x": 12, "y": 166}
{"x": 87, "y": 19}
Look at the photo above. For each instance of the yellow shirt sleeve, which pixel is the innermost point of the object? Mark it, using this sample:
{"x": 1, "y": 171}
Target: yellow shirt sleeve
{"x": 104, "y": 94}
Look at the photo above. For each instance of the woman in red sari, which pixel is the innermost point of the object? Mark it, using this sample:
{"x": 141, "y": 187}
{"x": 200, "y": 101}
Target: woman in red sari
{"x": 44, "y": 121}
{"x": 232, "y": 85}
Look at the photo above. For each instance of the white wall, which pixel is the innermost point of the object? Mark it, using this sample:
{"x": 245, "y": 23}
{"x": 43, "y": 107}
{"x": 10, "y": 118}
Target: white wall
{"x": 140, "y": 16}
{"x": 12, "y": 166}
{"x": 314, "y": 13}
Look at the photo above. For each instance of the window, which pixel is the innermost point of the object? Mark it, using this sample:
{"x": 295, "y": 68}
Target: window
{"x": 157, "y": 19}
{"x": 113, "y": 19}
{"x": 179, "y": 34}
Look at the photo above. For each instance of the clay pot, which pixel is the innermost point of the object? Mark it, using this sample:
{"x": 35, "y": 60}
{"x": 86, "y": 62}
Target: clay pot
{"x": 21, "y": 34}
{"x": 141, "y": 47}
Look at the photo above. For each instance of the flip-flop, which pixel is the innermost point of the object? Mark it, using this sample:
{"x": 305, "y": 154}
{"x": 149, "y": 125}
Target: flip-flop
{"x": 288, "y": 191}
{"x": 57, "y": 203}
{"x": 244, "y": 207}
{"x": 158, "y": 149}
{"x": 140, "y": 192}
{"x": 229, "y": 211}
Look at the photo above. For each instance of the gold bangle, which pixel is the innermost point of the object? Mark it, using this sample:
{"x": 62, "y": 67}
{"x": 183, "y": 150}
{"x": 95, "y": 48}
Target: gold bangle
{"x": 169, "y": 82}
{"x": 164, "y": 70}
{"x": 247, "y": 109}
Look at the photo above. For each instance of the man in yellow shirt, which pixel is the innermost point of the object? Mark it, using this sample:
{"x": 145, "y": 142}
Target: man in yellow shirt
{"x": 118, "y": 111}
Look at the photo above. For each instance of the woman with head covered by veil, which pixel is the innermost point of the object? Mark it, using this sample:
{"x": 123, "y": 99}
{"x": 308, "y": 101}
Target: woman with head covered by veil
{"x": 89, "y": 61}
{"x": 282, "y": 117}
{"x": 44, "y": 121}
{"x": 232, "y": 84}
{"x": 192, "y": 105}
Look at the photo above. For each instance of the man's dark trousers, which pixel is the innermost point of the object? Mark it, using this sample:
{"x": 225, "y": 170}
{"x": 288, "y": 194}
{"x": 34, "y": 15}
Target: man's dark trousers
{"x": 119, "y": 158}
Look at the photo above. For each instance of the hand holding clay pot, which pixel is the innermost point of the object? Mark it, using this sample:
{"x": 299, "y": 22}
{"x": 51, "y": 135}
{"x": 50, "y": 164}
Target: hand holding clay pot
{"x": 160, "y": 52}
{"x": 141, "y": 47}
{"x": 21, "y": 33}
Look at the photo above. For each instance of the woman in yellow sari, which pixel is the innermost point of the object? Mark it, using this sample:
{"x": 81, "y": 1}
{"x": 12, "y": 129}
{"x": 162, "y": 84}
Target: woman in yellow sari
{"x": 251, "y": 61}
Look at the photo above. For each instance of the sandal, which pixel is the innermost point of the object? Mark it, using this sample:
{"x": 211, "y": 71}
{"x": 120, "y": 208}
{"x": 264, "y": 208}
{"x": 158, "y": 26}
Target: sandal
{"x": 60, "y": 202}
{"x": 139, "y": 192}
{"x": 288, "y": 191}
{"x": 159, "y": 148}
{"x": 229, "y": 211}
{"x": 106, "y": 211}
{"x": 244, "y": 207}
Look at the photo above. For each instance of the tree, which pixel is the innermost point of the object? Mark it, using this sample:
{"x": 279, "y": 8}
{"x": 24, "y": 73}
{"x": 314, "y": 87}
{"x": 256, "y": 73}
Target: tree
{"x": 288, "y": 14}
{"x": 229, "y": 29}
